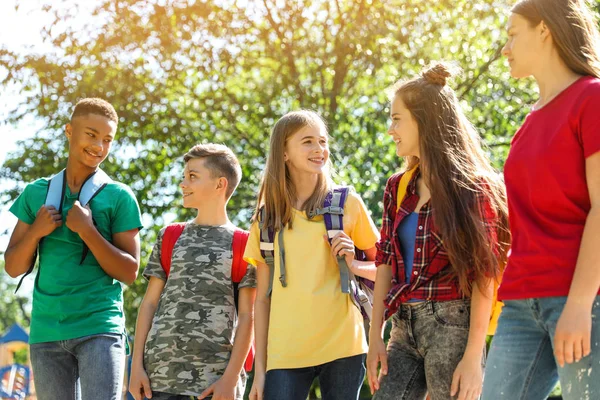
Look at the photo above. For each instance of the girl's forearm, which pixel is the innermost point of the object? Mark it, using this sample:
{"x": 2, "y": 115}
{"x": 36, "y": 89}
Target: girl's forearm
{"x": 481, "y": 307}
{"x": 383, "y": 284}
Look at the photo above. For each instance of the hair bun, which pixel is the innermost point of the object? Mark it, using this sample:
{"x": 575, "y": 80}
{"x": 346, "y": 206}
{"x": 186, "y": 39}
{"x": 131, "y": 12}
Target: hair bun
{"x": 437, "y": 74}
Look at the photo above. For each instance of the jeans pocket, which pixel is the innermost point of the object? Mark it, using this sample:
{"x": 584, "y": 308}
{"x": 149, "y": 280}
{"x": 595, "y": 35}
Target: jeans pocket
{"x": 454, "y": 313}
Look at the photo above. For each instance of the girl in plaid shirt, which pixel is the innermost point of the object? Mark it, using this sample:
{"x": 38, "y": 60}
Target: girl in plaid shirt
{"x": 441, "y": 247}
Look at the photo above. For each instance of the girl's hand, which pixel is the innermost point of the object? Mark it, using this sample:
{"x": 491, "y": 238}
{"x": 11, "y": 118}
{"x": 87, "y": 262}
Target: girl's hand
{"x": 342, "y": 245}
{"x": 139, "y": 384}
{"x": 468, "y": 378}
{"x": 377, "y": 354}
{"x": 572, "y": 339}
{"x": 258, "y": 387}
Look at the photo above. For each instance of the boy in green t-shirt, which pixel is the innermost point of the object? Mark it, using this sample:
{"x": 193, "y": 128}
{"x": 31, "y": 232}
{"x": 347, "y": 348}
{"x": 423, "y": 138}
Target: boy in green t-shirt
{"x": 77, "y": 326}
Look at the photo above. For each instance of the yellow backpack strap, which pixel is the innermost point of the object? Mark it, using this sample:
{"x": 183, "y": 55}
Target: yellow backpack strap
{"x": 403, "y": 185}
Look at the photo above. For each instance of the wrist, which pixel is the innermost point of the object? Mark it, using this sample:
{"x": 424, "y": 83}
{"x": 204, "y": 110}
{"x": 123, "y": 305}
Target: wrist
{"x": 580, "y": 301}
{"x": 473, "y": 354}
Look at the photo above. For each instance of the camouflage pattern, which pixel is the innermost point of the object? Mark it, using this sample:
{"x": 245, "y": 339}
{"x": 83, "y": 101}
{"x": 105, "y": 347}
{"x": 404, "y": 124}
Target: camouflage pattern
{"x": 192, "y": 333}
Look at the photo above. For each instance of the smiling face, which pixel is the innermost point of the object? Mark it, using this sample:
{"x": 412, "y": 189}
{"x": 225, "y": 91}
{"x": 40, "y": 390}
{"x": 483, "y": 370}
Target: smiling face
{"x": 307, "y": 150}
{"x": 90, "y": 139}
{"x": 525, "y": 45}
{"x": 200, "y": 186}
{"x": 403, "y": 129}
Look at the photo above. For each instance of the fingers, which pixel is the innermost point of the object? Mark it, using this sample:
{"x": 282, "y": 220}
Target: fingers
{"x": 455, "y": 384}
{"x": 146, "y": 388}
{"x": 559, "y": 350}
{"x": 372, "y": 374}
{"x": 208, "y": 391}
{"x": 587, "y": 344}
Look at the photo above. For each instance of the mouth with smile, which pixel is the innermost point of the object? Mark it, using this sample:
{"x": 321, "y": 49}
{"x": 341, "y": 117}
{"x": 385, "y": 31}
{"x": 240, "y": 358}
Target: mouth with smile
{"x": 92, "y": 154}
{"x": 187, "y": 194}
{"x": 317, "y": 160}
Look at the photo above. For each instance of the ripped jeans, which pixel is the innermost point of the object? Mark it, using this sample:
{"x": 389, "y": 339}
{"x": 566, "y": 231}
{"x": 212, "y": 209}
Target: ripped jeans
{"x": 521, "y": 364}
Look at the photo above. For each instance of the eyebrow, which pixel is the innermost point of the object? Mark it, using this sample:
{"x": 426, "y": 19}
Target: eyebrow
{"x": 92, "y": 129}
{"x": 395, "y": 114}
{"x": 192, "y": 170}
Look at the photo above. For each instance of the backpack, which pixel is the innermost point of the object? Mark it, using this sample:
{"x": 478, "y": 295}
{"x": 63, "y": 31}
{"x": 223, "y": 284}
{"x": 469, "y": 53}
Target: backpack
{"x": 92, "y": 185}
{"x": 238, "y": 266}
{"x": 496, "y": 304}
{"x": 361, "y": 290}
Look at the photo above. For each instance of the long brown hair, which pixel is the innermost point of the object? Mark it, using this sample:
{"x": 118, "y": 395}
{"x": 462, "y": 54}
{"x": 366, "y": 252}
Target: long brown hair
{"x": 455, "y": 170}
{"x": 277, "y": 192}
{"x": 573, "y": 28}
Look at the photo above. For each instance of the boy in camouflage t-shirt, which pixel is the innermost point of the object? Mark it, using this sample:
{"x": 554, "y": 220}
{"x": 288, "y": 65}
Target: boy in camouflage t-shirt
{"x": 190, "y": 341}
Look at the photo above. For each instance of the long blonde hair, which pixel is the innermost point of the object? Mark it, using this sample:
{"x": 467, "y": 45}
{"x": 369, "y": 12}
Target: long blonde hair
{"x": 277, "y": 192}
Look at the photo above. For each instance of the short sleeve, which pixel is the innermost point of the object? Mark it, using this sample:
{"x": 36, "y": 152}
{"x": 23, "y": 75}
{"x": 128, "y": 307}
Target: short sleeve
{"x": 252, "y": 253}
{"x": 249, "y": 279}
{"x": 589, "y": 127}
{"x": 154, "y": 267}
{"x": 127, "y": 212}
{"x": 364, "y": 233}
{"x": 23, "y": 207}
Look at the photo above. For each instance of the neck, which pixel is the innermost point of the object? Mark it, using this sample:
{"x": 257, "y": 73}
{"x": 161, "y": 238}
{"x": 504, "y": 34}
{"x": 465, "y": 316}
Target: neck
{"x": 212, "y": 215}
{"x": 305, "y": 185}
{"x": 553, "y": 78}
{"x": 76, "y": 174}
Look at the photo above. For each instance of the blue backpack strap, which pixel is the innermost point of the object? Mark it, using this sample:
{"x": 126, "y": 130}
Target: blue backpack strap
{"x": 54, "y": 197}
{"x": 333, "y": 215}
{"x": 92, "y": 185}
{"x": 267, "y": 251}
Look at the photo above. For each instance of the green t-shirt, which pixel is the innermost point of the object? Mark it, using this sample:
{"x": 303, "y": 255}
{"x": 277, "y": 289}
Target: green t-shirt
{"x": 72, "y": 300}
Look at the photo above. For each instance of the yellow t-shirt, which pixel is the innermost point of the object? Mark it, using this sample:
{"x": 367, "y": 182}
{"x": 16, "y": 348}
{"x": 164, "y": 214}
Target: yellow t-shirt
{"x": 311, "y": 321}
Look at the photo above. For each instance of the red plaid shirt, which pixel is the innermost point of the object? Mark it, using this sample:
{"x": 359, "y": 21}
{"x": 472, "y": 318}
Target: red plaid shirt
{"x": 431, "y": 277}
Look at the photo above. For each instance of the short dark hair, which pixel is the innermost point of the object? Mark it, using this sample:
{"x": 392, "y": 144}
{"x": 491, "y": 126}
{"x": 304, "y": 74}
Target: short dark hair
{"x": 220, "y": 161}
{"x": 97, "y": 106}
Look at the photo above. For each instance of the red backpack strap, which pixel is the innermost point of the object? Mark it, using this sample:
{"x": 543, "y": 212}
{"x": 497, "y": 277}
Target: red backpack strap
{"x": 170, "y": 236}
{"x": 238, "y": 266}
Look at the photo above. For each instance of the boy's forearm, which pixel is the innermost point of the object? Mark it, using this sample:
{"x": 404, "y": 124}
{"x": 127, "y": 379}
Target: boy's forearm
{"x": 19, "y": 257}
{"x": 117, "y": 263}
{"x": 241, "y": 346}
{"x": 481, "y": 307}
{"x": 383, "y": 284}
{"x": 142, "y": 327}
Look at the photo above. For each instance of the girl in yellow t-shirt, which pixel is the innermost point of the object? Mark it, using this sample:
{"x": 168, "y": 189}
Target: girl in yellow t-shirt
{"x": 306, "y": 327}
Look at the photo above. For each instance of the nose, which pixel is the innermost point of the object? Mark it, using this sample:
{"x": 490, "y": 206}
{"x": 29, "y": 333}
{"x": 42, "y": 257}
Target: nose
{"x": 391, "y": 128}
{"x": 505, "y": 49}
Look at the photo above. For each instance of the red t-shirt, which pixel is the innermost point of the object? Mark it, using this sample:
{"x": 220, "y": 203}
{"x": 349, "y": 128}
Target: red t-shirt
{"x": 548, "y": 199}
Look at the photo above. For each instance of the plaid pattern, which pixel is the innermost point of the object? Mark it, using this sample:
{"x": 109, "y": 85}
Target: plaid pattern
{"x": 432, "y": 277}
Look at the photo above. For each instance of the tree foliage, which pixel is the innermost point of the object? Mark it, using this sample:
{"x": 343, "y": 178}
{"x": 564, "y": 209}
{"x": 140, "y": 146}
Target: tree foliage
{"x": 181, "y": 72}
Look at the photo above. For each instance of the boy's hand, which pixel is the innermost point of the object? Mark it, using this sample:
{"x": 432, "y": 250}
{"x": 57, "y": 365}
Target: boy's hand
{"x": 377, "y": 355}
{"x": 139, "y": 384}
{"x": 79, "y": 219}
{"x": 572, "y": 339}
{"x": 46, "y": 221}
{"x": 342, "y": 245}
{"x": 223, "y": 389}
{"x": 258, "y": 387}
{"x": 468, "y": 379}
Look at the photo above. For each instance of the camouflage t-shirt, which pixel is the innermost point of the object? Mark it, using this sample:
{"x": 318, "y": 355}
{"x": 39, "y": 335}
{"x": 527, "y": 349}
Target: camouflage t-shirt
{"x": 192, "y": 333}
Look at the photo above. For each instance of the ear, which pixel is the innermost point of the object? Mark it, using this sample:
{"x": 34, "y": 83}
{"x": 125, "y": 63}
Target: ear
{"x": 285, "y": 157}
{"x": 68, "y": 131}
{"x": 222, "y": 183}
{"x": 544, "y": 31}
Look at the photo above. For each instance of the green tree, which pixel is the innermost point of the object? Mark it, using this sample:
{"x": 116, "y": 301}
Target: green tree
{"x": 14, "y": 309}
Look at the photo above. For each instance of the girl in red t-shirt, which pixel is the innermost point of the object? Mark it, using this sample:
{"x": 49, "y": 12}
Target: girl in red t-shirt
{"x": 549, "y": 327}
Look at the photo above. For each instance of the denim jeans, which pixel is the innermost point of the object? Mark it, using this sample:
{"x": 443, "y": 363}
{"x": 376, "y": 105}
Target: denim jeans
{"x": 521, "y": 365}
{"x": 427, "y": 342}
{"x": 86, "y": 368}
{"x": 340, "y": 379}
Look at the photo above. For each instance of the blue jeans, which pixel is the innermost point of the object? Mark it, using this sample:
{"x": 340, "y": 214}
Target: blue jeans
{"x": 88, "y": 368}
{"x": 521, "y": 364}
{"x": 340, "y": 379}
